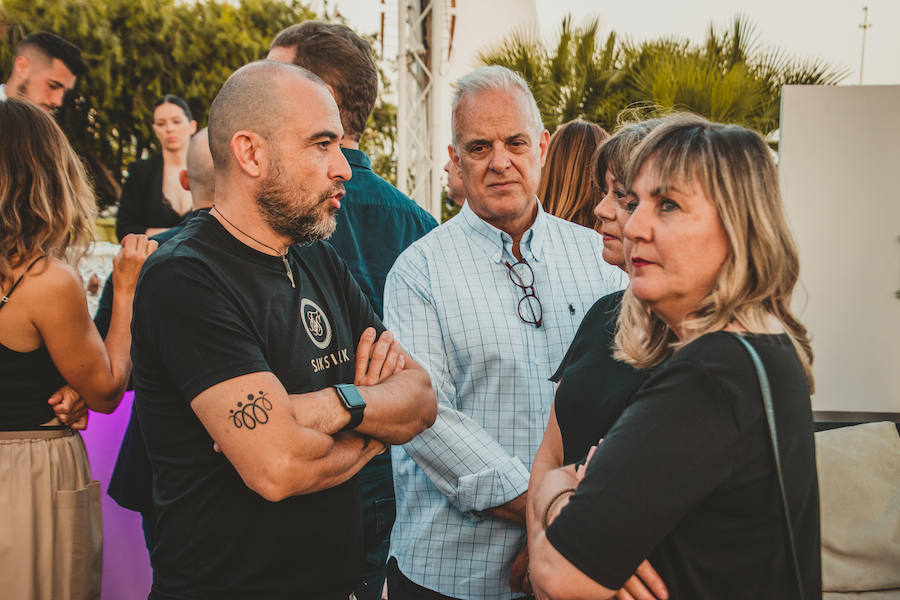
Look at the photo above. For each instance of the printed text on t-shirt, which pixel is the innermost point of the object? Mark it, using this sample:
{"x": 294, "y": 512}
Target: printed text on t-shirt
{"x": 329, "y": 360}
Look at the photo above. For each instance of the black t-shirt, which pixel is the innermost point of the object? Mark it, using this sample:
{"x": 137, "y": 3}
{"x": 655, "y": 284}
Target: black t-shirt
{"x": 594, "y": 388}
{"x": 208, "y": 309}
{"x": 686, "y": 479}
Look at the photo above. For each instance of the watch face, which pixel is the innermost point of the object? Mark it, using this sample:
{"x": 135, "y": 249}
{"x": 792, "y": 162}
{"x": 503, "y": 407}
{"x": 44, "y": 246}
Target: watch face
{"x": 351, "y": 396}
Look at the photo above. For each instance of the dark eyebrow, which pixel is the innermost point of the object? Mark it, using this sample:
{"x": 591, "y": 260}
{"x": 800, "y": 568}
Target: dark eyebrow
{"x": 516, "y": 136}
{"x": 324, "y": 134}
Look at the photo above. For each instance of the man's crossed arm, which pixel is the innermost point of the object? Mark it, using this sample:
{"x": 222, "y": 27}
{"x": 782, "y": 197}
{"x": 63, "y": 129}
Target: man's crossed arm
{"x": 284, "y": 445}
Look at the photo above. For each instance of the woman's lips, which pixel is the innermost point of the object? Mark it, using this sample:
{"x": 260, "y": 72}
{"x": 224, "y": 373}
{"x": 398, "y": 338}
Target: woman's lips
{"x": 637, "y": 261}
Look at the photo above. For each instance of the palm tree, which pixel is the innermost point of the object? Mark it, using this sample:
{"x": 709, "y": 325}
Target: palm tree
{"x": 727, "y": 78}
{"x": 577, "y": 78}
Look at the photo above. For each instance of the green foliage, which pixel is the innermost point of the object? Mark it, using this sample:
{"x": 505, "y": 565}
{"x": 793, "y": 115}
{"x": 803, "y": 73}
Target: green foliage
{"x": 576, "y": 78}
{"x": 448, "y": 208}
{"x": 727, "y": 78}
{"x": 139, "y": 50}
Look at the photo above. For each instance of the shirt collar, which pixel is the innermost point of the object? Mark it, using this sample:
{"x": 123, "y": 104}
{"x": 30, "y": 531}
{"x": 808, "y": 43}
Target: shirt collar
{"x": 498, "y": 244}
{"x": 357, "y": 158}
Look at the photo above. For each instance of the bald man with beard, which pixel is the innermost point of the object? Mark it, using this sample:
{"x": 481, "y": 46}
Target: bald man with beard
{"x": 376, "y": 223}
{"x": 249, "y": 333}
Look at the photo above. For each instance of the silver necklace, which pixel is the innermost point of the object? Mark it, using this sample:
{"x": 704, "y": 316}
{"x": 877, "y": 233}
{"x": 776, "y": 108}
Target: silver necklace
{"x": 287, "y": 266}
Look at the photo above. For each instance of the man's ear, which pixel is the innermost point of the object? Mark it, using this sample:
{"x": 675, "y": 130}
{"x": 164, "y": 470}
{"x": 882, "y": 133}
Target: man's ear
{"x": 454, "y": 157}
{"x": 183, "y": 180}
{"x": 544, "y": 144}
{"x": 21, "y": 67}
{"x": 249, "y": 152}
{"x": 333, "y": 95}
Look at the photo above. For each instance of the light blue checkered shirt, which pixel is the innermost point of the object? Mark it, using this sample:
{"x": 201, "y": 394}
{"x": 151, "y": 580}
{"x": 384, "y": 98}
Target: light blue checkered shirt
{"x": 450, "y": 302}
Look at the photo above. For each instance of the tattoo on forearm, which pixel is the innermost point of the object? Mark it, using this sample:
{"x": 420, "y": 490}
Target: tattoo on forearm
{"x": 252, "y": 413}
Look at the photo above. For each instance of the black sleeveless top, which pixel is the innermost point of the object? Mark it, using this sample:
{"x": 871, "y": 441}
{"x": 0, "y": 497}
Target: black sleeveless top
{"x": 27, "y": 379}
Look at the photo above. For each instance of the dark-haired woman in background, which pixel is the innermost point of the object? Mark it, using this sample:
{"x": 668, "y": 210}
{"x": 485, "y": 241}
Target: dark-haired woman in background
{"x": 152, "y": 198}
{"x": 566, "y": 190}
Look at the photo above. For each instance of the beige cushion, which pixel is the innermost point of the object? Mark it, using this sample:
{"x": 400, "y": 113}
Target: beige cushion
{"x": 859, "y": 487}
{"x": 875, "y": 595}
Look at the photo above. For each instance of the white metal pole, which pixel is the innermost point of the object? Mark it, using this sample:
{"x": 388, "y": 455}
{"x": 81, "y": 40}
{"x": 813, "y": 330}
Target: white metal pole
{"x": 865, "y": 27}
{"x": 438, "y": 146}
{"x": 402, "y": 97}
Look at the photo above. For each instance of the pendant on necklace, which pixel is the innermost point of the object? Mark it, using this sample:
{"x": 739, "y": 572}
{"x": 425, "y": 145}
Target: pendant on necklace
{"x": 287, "y": 270}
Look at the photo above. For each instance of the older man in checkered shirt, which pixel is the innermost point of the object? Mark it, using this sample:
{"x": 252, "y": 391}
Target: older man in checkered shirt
{"x": 488, "y": 303}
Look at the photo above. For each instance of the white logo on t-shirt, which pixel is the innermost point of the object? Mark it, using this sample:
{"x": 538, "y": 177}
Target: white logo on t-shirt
{"x": 316, "y": 323}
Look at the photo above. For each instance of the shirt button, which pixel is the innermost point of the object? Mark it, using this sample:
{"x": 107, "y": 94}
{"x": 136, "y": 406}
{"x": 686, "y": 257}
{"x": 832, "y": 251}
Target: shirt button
{"x": 537, "y": 361}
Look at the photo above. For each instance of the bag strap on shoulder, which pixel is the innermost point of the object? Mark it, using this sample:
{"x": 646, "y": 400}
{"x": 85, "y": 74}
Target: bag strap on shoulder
{"x": 766, "y": 391}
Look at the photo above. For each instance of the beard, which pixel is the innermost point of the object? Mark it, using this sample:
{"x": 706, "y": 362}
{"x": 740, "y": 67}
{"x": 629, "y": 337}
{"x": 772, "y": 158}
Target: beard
{"x": 300, "y": 216}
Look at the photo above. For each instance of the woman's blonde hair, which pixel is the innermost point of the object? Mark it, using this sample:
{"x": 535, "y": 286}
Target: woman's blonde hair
{"x": 566, "y": 188}
{"x": 734, "y": 168}
{"x": 46, "y": 203}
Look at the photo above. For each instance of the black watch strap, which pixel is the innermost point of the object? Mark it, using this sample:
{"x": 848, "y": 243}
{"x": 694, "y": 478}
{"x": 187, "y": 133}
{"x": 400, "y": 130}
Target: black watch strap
{"x": 353, "y": 402}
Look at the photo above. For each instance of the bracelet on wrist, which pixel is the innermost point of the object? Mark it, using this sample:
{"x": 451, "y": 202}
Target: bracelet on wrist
{"x": 545, "y": 521}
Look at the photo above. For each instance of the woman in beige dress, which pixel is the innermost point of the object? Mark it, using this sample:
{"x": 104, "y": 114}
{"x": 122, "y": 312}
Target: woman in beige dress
{"x": 50, "y": 530}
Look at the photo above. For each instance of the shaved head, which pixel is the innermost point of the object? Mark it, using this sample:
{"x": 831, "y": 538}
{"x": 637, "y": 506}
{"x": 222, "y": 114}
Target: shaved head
{"x": 274, "y": 133}
{"x": 200, "y": 171}
{"x": 252, "y": 100}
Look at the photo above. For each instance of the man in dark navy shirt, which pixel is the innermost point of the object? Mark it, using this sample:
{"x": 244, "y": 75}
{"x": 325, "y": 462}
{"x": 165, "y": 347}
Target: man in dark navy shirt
{"x": 130, "y": 482}
{"x": 375, "y": 224}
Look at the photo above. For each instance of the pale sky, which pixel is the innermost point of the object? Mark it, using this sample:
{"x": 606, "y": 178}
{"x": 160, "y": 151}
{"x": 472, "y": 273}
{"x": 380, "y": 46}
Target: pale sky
{"x": 826, "y": 29}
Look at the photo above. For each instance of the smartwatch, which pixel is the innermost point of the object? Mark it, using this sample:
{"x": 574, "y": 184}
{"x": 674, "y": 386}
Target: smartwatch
{"x": 353, "y": 402}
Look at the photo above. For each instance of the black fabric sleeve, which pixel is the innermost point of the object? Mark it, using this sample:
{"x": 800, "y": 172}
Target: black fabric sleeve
{"x": 104, "y": 308}
{"x": 128, "y": 219}
{"x": 193, "y": 327}
{"x": 670, "y": 448}
{"x": 103, "y": 316}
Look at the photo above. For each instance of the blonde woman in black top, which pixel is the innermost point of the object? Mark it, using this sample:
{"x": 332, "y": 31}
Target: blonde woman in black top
{"x": 686, "y": 477}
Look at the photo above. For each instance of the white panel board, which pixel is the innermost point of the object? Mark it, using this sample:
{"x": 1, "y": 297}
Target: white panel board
{"x": 839, "y": 170}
